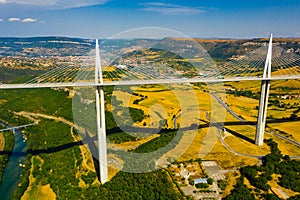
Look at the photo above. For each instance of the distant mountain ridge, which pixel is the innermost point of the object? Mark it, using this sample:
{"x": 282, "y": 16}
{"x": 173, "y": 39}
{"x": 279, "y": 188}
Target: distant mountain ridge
{"x": 65, "y": 46}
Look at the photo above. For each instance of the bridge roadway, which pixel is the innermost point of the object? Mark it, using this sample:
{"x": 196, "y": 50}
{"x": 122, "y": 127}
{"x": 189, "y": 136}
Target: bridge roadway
{"x": 17, "y": 127}
{"x": 141, "y": 82}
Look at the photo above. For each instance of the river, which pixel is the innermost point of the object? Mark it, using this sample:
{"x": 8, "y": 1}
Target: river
{"x": 12, "y": 171}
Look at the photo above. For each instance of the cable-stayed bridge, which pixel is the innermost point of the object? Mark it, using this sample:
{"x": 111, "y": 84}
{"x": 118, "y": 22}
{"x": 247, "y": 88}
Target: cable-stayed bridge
{"x": 264, "y": 64}
{"x": 248, "y": 67}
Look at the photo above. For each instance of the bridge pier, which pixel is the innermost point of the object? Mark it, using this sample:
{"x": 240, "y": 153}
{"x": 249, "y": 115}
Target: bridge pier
{"x": 264, "y": 97}
{"x": 101, "y": 134}
{"x": 100, "y": 112}
{"x": 262, "y": 112}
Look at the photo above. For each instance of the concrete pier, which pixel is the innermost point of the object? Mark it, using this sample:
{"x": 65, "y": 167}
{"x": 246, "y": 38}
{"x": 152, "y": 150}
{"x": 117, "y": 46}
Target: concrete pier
{"x": 264, "y": 97}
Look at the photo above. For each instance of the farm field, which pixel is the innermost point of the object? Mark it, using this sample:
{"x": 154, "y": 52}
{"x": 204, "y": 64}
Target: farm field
{"x": 161, "y": 104}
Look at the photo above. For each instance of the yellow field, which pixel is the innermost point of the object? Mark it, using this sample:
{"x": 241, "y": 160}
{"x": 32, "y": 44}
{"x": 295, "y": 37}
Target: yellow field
{"x": 286, "y": 83}
{"x": 244, "y": 147}
{"x": 39, "y": 192}
{"x": 232, "y": 179}
{"x": 132, "y": 144}
{"x": 243, "y": 106}
{"x": 279, "y": 113}
{"x": 36, "y": 192}
{"x": 254, "y": 86}
{"x": 291, "y": 70}
{"x": 152, "y": 111}
{"x": 162, "y": 103}
{"x": 187, "y": 148}
{"x": 288, "y": 127}
{"x": 228, "y": 160}
{"x": 285, "y": 147}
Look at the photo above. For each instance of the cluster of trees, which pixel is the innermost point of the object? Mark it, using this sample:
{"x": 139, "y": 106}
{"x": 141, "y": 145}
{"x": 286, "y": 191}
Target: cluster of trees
{"x": 62, "y": 161}
{"x": 152, "y": 185}
{"x": 258, "y": 181}
{"x": 245, "y": 93}
{"x": 210, "y": 181}
{"x": 118, "y": 138}
{"x": 279, "y": 104}
{"x": 143, "y": 97}
{"x": 151, "y": 150}
{"x": 139, "y": 95}
{"x": 137, "y": 115}
{"x": 202, "y": 185}
{"x": 47, "y": 101}
{"x": 290, "y": 173}
{"x": 294, "y": 115}
{"x": 240, "y": 191}
{"x": 222, "y": 184}
{"x": 9, "y": 75}
{"x": 258, "y": 176}
{"x": 204, "y": 191}
{"x": 157, "y": 143}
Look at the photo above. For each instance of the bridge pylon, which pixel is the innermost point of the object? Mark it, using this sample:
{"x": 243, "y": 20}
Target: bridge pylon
{"x": 264, "y": 97}
{"x": 100, "y": 112}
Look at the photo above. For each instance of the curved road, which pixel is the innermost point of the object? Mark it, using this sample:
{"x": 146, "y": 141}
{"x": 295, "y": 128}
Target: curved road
{"x": 243, "y": 120}
{"x": 220, "y": 129}
{"x": 193, "y": 110}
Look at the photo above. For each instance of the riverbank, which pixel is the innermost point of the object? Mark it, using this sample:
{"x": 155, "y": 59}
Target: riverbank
{"x": 6, "y": 146}
{"x": 15, "y": 152}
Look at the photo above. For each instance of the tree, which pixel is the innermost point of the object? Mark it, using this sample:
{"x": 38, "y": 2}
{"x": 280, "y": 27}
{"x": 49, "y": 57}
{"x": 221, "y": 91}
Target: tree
{"x": 240, "y": 192}
{"x": 293, "y": 116}
{"x": 202, "y": 185}
{"x": 210, "y": 181}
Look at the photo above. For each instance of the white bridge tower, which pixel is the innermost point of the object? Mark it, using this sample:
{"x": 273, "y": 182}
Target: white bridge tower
{"x": 100, "y": 112}
{"x": 264, "y": 96}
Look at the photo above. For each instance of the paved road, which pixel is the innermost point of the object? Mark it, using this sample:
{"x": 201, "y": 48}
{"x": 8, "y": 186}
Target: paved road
{"x": 177, "y": 116}
{"x": 233, "y": 151}
{"x": 227, "y": 108}
{"x": 243, "y": 120}
{"x": 285, "y": 138}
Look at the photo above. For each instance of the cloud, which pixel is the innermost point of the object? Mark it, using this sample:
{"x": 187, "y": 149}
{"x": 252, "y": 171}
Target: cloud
{"x": 29, "y": 20}
{"x": 14, "y": 19}
{"x": 1, "y": 20}
{"x": 56, "y": 4}
{"x": 170, "y": 9}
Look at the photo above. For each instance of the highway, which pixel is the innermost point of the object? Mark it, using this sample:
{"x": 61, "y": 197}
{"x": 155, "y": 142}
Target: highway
{"x": 243, "y": 120}
{"x": 227, "y": 108}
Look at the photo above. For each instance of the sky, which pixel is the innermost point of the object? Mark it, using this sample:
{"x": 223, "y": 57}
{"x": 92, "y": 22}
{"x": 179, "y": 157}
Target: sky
{"x": 105, "y": 18}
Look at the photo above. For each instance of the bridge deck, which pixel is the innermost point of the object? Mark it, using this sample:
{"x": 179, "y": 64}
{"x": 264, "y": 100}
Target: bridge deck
{"x": 141, "y": 82}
